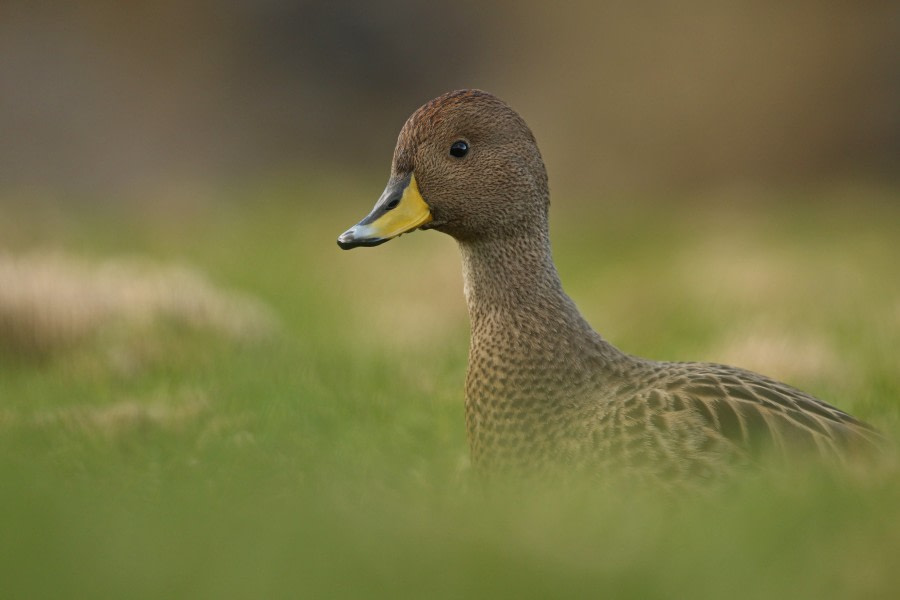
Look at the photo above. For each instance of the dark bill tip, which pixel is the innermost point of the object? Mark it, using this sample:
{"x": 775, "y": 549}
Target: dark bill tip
{"x": 348, "y": 241}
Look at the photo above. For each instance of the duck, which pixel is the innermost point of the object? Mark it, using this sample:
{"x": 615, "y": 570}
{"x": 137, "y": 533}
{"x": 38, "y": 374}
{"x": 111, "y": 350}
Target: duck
{"x": 542, "y": 387}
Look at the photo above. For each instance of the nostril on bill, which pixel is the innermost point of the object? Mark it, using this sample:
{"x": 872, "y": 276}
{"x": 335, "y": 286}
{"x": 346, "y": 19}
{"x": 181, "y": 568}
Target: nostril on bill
{"x": 393, "y": 203}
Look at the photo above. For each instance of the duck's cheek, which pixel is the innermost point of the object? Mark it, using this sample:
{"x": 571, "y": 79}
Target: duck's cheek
{"x": 439, "y": 217}
{"x": 400, "y": 209}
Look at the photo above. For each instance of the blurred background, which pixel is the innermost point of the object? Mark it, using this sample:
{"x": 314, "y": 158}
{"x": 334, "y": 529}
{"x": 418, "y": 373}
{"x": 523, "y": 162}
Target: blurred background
{"x": 108, "y": 97}
{"x": 201, "y": 396}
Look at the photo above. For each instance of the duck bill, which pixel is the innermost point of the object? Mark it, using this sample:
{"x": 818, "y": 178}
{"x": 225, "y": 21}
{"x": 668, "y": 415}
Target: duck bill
{"x": 400, "y": 209}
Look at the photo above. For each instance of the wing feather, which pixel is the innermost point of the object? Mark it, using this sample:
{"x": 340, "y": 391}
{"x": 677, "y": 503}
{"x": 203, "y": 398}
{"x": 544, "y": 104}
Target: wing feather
{"x": 754, "y": 411}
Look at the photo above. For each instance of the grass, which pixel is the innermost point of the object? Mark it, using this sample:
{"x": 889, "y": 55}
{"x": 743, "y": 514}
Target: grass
{"x": 159, "y": 457}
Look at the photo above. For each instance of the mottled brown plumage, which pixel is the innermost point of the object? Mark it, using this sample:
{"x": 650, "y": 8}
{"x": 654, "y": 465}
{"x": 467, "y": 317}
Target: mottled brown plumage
{"x": 543, "y": 388}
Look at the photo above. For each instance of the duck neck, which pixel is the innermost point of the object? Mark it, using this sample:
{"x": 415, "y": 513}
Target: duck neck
{"x": 511, "y": 281}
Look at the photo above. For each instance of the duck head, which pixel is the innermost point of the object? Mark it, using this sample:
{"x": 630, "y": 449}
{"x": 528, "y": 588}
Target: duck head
{"x": 465, "y": 164}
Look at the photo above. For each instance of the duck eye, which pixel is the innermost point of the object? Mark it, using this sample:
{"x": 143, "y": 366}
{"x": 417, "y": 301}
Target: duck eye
{"x": 459, "y": 149}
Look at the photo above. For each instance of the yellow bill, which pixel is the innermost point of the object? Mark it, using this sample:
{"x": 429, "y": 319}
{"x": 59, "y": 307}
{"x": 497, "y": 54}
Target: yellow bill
{"x": 400, "y": 209}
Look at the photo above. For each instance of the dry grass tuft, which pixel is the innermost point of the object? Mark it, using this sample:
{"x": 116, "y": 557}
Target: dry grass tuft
{"x": 51, "y": 301}
{"x": 126, "y": 417}
{"x": 778, "y": 352}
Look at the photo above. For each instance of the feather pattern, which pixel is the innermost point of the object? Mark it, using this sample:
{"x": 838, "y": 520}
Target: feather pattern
{"x": 543, "y": 388}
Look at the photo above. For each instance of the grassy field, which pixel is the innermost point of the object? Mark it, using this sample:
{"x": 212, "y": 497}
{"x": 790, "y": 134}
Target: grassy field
{"x": 208, "y": 399}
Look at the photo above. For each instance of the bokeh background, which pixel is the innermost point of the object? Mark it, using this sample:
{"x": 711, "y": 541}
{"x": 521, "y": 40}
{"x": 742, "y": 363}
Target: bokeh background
{"x": 201, "y": 396}
{"x": 110, "y": 96}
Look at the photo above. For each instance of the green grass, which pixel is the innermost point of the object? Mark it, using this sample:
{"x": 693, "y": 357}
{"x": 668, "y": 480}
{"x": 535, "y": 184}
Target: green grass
{"x": 329, "y": 460}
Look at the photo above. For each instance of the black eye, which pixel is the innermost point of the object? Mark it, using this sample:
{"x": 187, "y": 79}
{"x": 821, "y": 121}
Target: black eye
{"x": 459, "y": 149}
